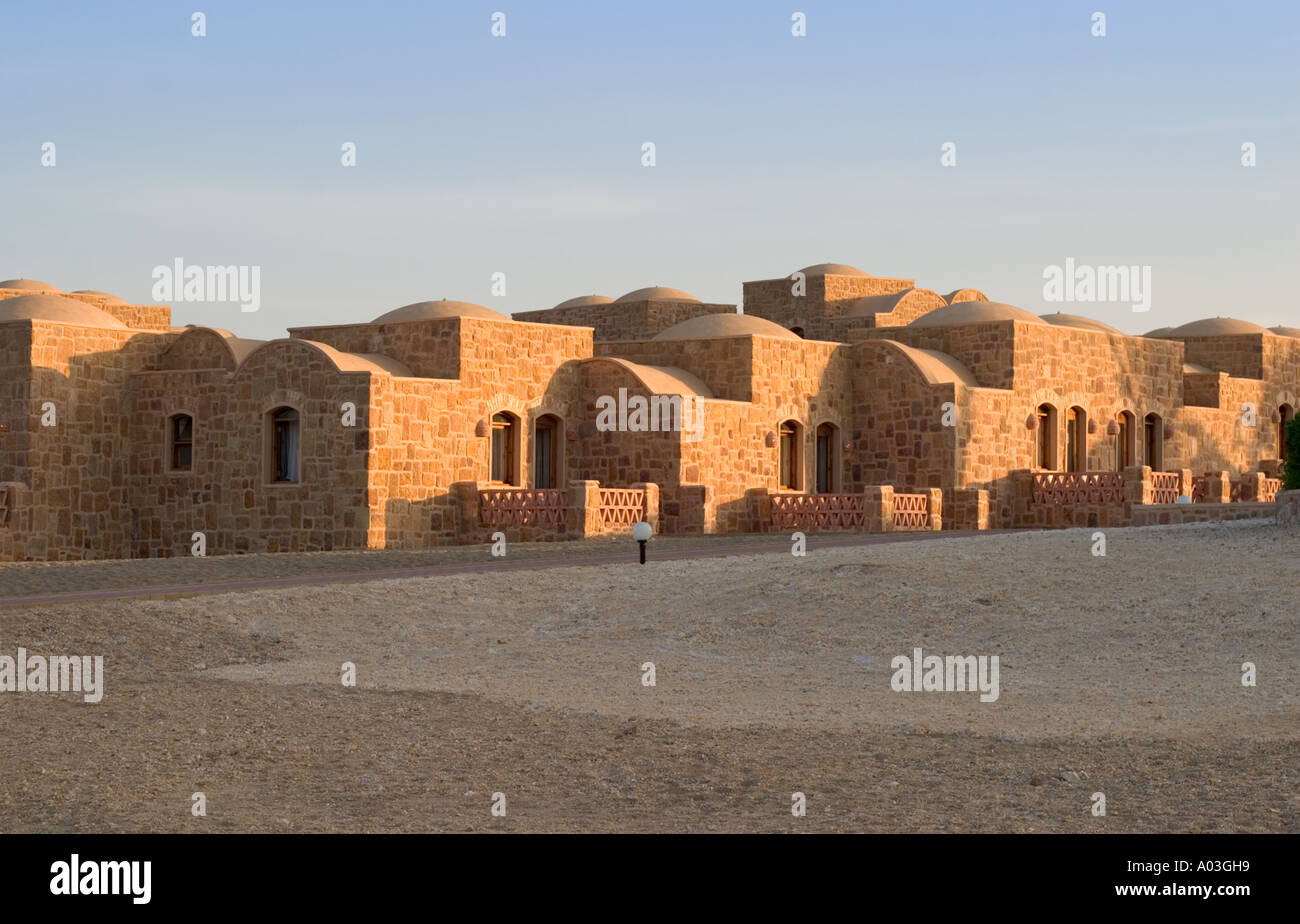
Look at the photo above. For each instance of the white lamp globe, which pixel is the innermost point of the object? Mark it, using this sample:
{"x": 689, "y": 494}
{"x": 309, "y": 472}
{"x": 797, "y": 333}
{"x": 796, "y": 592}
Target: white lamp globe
{"x": 642, "y": 531}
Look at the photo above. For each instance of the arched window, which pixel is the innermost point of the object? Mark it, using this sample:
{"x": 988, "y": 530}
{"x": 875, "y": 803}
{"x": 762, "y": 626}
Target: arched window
{"x": 1125, "y": 441}
{"x": 790, "y": 473}
{"x": 505, "y": 448}
{"x": 1287, "y": 413}
{"x": 180, "y": 442}
{"x": 1153, "y": 441}
{"x": 797, "y": 330}
{"x": 547, "y": 456}
{"x": 1076, "y": 440}
{"x": 828, "y": 458}
{"x": 283, "y": 439}
{"x": 1045, "y": 438}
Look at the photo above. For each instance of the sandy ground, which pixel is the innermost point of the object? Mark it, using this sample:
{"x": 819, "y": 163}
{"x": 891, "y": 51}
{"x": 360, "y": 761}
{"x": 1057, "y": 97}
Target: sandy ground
{"x": 1118, "y": 674}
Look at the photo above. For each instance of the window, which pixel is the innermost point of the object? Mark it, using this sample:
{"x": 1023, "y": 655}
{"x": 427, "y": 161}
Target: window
{"x": 180, "y": 436}
{"x": 827, "y": 456}
{"x": 1124, "y": 442}
{"x": 1045, "y": 437}
{"x": 284, "y": 441}
{"x": 1153, "y": 437}
{"x": 505, "y": 448}
{"x": 1076, "y": 440}
{"x": 1287, "y": 413}
{"x": 546, "y": 452}
{"x": 790, "y": 474}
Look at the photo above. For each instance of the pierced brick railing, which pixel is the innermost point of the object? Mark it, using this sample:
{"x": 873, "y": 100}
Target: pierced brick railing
{"x": 1165, "y": 487}
{"x": 621, "y": 506}
{"x": 5, "y": 498}
{"x": 523, "y": 506}
{"x": 911, "y": 511}
{"x": 1078, "y": 488}
{"x": 1271, "y": 487}
{"x": 818, "y": 512}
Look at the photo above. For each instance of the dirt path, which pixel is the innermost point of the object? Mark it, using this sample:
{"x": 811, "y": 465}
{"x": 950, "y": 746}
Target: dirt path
{"x": 1119, "y": 674}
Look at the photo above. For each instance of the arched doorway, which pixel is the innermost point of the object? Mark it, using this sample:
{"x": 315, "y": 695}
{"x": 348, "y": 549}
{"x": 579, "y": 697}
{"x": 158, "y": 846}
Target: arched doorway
{"x": 1153, "y": 441}
{"x": 505, "y": 448}
{"x": 828, "y": 458}
{"x": 790, "y": 467}
{"x": 1076, "y": 440}
{"x": 1125, "y": 441}
{"x": 548, "y": 459}
{"x": 1045, "y": 438}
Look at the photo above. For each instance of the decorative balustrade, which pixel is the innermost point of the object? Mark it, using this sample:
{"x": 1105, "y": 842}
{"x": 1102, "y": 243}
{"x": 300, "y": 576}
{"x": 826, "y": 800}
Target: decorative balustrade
{"x": 818, "y": 512}
{"x": 1271, "y": 487}
{"x": 1078, "y": 488}
{"x": 621, "y": 506}
{"x": 911, "y": 511}
{"x": 1165, "y": 487}
{"x": 523, "y": 506}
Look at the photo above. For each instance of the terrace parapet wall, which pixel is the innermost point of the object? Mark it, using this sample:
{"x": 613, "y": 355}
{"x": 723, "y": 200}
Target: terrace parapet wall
{"x": 583, "y": 510}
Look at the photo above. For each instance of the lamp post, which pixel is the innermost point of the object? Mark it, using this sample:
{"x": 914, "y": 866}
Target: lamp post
{"x": 642, "y": 533}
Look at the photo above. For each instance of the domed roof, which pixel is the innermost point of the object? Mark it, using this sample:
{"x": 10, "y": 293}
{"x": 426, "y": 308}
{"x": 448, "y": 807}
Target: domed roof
{"x": 832, "y": 269}
{"x": 713, "y": 326}
{"x": 1286, "y": 331}
{"x": 971, "y": 295}
{"x": 1216, "y": 327}
{"x": 1074, "y": 320}
{"x": 868, "y": 305}
{"x": 584, "y": 300}
{"x": 34, "y": 284}
{"x": 1159, "y": 333}
{"x": 975, "y": 313}
{"x": 57, "y": 308}
{"x": 435, "y": 311}
{"x": 658, "y": 292}
{"x": 660, "y": 380}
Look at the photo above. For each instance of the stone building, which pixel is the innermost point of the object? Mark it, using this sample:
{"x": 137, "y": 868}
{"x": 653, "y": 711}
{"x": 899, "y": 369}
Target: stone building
{"x": 838, "y": 400}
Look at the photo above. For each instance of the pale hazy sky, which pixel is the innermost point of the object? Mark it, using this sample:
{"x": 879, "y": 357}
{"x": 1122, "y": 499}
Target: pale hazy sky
{"x": 522, "y": 154}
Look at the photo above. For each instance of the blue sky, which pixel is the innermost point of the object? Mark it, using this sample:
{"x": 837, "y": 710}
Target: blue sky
{"x": 522, "y": 154}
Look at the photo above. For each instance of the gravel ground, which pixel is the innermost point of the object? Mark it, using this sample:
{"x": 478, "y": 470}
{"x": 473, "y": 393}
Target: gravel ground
{"x": 1118, "y": 674}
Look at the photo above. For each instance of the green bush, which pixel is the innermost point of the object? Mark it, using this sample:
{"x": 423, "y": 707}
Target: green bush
{"x": 1291, "y": 477}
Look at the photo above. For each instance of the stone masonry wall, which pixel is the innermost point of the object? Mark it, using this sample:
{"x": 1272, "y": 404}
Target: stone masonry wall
{"x": 625, "y": 320}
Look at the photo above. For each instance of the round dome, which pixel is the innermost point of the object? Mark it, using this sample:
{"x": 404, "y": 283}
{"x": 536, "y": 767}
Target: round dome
{"x": 582, "y": 301}
{"x": 1159, "y": 333}
{"x": 1286, "y": 331}
{"x": 657, "y": 292}
{"x": 1216, "y": 327}
{"x": 435, "y": 311}
{"x": 1074, "y": 320}
{"x": 975, "y": 313}
{"x": 58, "y": 308}
{"x": 713, "y": 326}
{"x": 832, "y": 269}
{"x": 34, "y": 284}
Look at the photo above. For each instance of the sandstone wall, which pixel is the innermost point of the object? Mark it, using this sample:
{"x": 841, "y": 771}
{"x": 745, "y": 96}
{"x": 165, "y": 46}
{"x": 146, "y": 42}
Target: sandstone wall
{"x": 625, "y": 320}
{"x": 228, "y": 494}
